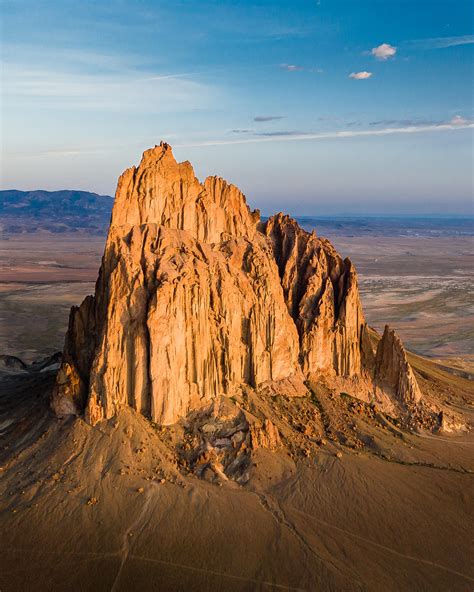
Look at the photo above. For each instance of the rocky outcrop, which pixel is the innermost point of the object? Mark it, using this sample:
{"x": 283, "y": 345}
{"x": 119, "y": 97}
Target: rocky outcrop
{"x": 69, "y": 392}
{"x": 188, "y": 303}
{"x": 185, "y": 322}
{"x": 165, "y": 192}
{"x": 265, "y": 435}
{"x": 322, "y": 297}
{"x": 393, "y": 373}
{"x": 197, "y": 298}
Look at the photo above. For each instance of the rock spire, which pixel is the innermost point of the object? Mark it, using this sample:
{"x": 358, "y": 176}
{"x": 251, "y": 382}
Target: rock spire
{"x": 197, "y": 297}
{"x": 393, "y": 373}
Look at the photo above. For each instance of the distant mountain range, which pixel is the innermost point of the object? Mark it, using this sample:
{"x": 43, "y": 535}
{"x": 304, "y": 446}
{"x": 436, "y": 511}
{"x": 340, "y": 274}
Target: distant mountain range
{"x": 54, "y": 211}
{"x": 82, "y": 211}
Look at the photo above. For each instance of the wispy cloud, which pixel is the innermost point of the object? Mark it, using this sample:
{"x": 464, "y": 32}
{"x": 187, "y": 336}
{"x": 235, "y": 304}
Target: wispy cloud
{"x": 296, "y": 68}
{"x": 261, "y": 118}
{"x": 81, "y": 59}
{"x": 457, "y": 120}
{"x": 404, "y": 122}
{"x": 360, "y": 75}
{"x": 279, "y": 134}
{"x": 75, "y": 151}
{"x": 258, "y": 137}
{"x": 242, "y": 131}
{"x": 384, "y": 51}
{"x": 344, "y": 134}
{"x": 84, "y": 79}
{"x": 440, "y": 42}
{"x": 129, "y": 90}
{"x": 460, "y": 120}
{"x": 291, "y": 67}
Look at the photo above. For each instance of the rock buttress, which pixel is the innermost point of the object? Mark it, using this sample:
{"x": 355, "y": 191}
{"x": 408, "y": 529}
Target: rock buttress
{"x": 196, "y": 298}
{"x": 322, "y": 297}
{"x": 393, "y": 373}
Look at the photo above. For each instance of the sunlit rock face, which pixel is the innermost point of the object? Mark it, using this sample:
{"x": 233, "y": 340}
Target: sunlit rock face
{"x": 196, "y": 297}
{"x": 393, "y": 373}
{"x": 322, "y": 297}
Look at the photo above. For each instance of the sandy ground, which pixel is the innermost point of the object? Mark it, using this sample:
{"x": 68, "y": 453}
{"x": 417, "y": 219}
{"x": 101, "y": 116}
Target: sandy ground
{"x": 41, "y": 277}
{"x": 422, "y": 286}
{"x": 109, "y": 509}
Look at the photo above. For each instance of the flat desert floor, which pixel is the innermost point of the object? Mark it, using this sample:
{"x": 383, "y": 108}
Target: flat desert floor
{"x": 421, "y": 286}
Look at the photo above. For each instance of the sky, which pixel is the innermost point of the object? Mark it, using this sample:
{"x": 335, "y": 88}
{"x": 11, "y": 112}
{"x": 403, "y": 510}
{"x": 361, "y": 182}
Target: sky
{"x": 313, "y": 107}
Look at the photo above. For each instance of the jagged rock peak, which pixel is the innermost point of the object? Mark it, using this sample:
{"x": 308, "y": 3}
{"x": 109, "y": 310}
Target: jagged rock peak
{"x": 164, "y": 192}
{"x": 196, "y": 299}
{"x": 322, "y": 296}
{"x": 393, "y": 371}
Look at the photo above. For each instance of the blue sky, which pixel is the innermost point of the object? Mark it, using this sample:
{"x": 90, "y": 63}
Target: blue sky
{"x": 309, "y": 106}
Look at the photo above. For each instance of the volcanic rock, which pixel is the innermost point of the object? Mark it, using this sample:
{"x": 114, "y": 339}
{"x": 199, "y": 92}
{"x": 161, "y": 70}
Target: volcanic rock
{"x": 197, "y": 298}
{"x": 393, "y": 373}
{"x": 323, "y": 300}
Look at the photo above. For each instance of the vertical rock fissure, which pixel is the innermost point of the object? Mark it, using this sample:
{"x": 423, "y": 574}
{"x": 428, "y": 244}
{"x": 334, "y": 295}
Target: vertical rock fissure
{"x": 150, "y": 288}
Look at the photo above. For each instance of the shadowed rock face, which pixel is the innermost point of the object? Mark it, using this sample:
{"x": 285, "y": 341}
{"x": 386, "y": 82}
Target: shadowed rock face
{"x": 393, "y": 373}
{"x": 196, "y": 298}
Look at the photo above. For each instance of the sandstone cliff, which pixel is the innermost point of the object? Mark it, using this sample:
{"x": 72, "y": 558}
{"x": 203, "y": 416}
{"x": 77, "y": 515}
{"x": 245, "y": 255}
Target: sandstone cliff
{"x": 196, "y": 297}
{"x": 322, "y": 298}
{"x": 393, "y": 373}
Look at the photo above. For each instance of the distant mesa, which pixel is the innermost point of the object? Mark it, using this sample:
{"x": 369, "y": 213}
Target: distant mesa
{"x": 198, "y": 298}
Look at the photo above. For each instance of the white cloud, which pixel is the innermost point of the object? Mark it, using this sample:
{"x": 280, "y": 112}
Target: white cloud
{"x": 360, "y": 75}
{"x": 384, "y": 51}
{"x": 459, "y": 120}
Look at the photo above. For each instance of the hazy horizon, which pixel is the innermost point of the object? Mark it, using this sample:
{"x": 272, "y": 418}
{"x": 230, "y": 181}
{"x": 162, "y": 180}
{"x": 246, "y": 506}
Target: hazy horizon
{"x": 324, "y": 211}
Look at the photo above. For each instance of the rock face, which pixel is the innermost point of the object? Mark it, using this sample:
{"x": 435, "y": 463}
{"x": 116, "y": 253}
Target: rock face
{"x": 393, "y": 373}
{"x": 322, "y": 297}
{"x": 196, "y": 297}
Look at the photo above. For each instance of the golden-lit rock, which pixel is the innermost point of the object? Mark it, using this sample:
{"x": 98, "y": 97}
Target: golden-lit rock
{"x": 69, "y": 393}
{"x": 197, "y": 298}
{"x": 393, "y": 373}
{"x": 322, "y": 296}
{"x": 265, "y": 435}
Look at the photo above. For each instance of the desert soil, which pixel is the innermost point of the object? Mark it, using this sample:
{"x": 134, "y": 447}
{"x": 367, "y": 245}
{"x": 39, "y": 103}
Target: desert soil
{"x": 110, "y": 508}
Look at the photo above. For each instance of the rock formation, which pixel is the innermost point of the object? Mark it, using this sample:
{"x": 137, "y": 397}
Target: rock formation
{"x": 196, "y": 297}
{"x": 322, "y": 297}
{"x": 393, "y": 373}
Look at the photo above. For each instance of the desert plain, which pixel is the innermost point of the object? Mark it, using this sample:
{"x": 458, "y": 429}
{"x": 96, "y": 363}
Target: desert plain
{"x": 422, "y": 286}
{"x": 355, "y": 503}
